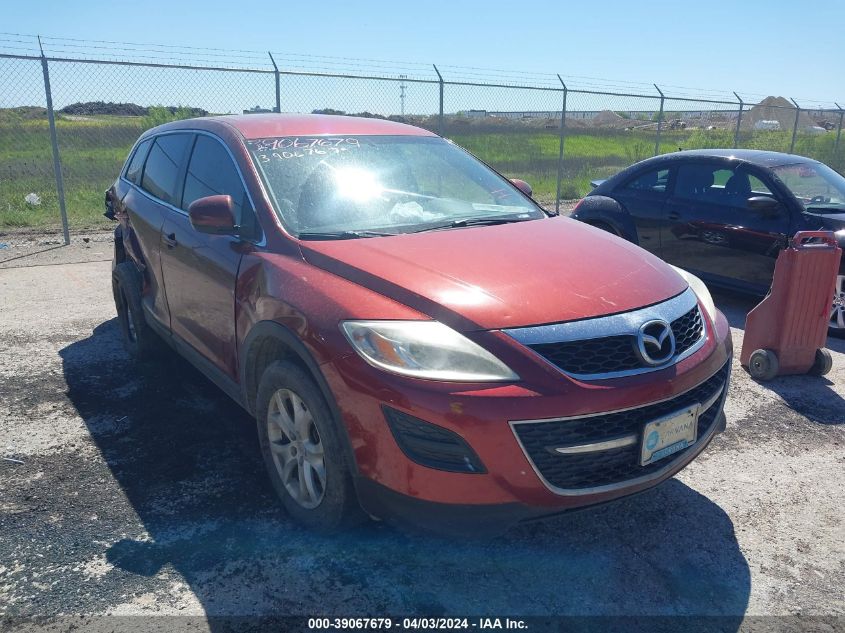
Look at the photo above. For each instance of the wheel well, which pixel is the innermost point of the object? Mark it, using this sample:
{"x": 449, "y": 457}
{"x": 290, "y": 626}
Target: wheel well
{"x": 119, "y": 249}
{"x": 263, "y": 350}
{"x": 270, "y": 341}
{"x": 604, "y": 226}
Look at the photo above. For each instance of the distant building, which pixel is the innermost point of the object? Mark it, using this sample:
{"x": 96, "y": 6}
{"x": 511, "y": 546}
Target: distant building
{"x": 257, "y": 110}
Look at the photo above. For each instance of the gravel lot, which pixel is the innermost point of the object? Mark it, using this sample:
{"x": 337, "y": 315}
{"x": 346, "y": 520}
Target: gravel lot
{"x": 126, "y": 492}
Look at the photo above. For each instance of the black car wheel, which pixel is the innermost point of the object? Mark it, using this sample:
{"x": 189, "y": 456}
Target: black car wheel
{"x": 139, "y": 339}
{"x": 303, "y": 450}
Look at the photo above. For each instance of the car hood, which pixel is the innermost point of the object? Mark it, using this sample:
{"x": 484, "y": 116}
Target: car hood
{"x": 511, "y": 275}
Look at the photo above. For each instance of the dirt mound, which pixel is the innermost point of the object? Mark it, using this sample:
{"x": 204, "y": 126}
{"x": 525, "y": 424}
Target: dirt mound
{"x": 607, "y": 118}
{"x": 776, "y": 109}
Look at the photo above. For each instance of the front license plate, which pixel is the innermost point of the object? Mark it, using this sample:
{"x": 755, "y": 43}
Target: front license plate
{"x": 669, "y": 434}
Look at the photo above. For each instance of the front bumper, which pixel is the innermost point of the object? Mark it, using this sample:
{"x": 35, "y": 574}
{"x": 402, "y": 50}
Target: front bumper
{"x": 513, "y": 485}
{"x": 460, "y": 519}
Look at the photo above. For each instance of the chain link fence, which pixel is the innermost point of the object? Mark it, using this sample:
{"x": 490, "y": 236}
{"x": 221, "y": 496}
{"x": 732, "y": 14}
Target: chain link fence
{"x": 555, "y": 137}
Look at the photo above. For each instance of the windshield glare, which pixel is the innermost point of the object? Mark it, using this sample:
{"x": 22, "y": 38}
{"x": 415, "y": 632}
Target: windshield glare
{"x": 393, "y": 184}
{"x": 814, "y": 184}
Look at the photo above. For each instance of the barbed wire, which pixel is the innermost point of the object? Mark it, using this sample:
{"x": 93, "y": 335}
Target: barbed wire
{"x": 292, "y": 62}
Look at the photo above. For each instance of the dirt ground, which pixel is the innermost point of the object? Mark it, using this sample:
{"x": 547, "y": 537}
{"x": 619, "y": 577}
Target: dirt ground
{"x": 143, "y": 493}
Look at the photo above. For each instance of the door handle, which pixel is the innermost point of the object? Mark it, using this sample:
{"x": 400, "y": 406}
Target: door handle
{"x": 674, "y": 215}
{"x": 170, "y": 240}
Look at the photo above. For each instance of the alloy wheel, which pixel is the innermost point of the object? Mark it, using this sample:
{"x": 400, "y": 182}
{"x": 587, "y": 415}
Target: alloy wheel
{"x": 296, "y": 448}
{"x": 837, "y": 311}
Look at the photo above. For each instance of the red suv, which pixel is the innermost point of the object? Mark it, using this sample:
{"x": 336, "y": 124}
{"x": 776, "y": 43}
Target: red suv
{"x": 414, "y": 335}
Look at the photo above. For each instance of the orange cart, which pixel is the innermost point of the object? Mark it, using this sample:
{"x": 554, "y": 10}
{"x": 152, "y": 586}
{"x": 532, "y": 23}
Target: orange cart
{"x": 786, "y": 333}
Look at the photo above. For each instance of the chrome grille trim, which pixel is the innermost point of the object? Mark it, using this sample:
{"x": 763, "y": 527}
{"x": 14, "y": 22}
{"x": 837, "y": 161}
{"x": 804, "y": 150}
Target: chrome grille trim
{"x": 622, "y": 324}
{"x": 625, "y": 440}
{"x": 700, "y": 443}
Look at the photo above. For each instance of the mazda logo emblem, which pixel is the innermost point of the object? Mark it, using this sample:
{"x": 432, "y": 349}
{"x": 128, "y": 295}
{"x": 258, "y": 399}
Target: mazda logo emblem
{"x": 656, "y": 342}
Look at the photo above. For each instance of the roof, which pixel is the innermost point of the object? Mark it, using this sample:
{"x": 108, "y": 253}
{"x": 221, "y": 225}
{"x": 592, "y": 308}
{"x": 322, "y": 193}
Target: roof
{"x": 270, "y": 125}
{"x": 753, "y": 156}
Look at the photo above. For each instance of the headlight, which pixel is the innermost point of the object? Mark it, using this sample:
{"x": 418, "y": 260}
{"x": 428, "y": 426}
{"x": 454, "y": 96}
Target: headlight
{"x": 700, "y": 290}
{"x": 424, "y": 349}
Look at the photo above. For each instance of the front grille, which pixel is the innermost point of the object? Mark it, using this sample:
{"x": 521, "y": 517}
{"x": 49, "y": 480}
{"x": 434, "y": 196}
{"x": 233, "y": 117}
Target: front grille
{"x": 610, "y": 354}
{"x": 688, "y": 330}
{"x": 613, "y": 466}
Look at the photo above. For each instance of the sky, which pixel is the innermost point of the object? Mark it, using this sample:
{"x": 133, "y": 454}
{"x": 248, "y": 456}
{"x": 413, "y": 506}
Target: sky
{"x": 754, "y": 47}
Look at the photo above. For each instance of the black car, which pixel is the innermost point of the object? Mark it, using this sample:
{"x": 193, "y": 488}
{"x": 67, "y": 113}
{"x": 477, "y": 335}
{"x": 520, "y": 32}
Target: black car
{"x": 723, "y": 214}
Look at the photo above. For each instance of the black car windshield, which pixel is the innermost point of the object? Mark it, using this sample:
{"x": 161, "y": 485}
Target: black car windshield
{"x": 813, "y": 184}
{"x": 326, "y": 187}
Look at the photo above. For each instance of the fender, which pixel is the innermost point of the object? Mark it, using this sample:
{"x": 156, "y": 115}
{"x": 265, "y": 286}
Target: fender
{"x": 597, "y": 208}
{"x": 249, "y": 381}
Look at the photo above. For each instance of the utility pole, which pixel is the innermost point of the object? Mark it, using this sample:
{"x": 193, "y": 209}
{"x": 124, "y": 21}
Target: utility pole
{"x": 402, "y": 88}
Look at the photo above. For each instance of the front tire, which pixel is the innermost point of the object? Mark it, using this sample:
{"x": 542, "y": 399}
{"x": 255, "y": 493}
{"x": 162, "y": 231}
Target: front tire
{"x": 303, "y": 450}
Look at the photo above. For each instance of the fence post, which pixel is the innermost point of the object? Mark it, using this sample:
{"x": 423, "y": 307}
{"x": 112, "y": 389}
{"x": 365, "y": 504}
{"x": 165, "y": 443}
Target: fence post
{"x": 795, "y": 126}
{"x": 659, "y": 121}
{"x": 738, "y": 120}
{"x": 560, "y": 151}
{"x": 838, "y": 132}
{"x": 278, "y": 84}
{"x": 57, "y": 163}
{"x": 440, "y": 118}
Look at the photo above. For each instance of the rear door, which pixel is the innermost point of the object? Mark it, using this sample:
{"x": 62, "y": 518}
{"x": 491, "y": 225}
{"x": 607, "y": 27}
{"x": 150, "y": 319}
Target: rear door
{"x": 711, "y": 231}
{"x": 200, "y": 270}
{"x": 643, "y": 196}
{"x": 142, "y": 236}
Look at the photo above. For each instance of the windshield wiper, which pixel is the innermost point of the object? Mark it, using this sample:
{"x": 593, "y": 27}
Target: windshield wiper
{"x": 482, "y": 221}
{"x": 341, "y": 235}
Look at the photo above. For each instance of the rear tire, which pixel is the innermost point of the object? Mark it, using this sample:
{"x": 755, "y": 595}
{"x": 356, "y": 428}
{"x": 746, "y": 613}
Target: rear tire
{"x": 763, "y": 364}
{"x": 303, "y": 451}
{"x": 139, "y": 339}
{"x": 823, "y": 363}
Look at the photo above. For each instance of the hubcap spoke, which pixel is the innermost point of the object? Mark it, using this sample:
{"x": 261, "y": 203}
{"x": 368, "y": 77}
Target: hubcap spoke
{"x": 302, "y": 417}
{"x": 313, "y": 481}
{"x": 282, "y": 416}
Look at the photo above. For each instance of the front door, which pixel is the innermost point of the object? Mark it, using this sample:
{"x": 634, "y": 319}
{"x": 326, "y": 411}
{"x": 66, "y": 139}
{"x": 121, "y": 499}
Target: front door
{"x": 643, "y": 196}
{"x": 201, "y": 270}
{"x": 710, "y": 230}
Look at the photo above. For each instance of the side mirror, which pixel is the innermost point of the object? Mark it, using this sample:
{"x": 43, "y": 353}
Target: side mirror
{"x": 523, "y": 186}
{"x": 764, "y": 204}
{"x": 212, "y": 214}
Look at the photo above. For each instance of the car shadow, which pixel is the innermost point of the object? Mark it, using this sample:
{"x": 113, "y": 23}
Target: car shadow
{"x": 185, "y": 459}
{"x": 814, "y": 397}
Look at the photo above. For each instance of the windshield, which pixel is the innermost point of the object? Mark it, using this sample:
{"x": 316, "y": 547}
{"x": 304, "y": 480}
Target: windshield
{"x": 814, "y": 184}
{"x": 324, "y": 187}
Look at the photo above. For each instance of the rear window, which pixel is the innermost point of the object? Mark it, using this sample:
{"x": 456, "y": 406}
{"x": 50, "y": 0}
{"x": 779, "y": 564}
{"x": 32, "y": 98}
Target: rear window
{"x": 136, "y": 164}
{"x": 161, "y": 171}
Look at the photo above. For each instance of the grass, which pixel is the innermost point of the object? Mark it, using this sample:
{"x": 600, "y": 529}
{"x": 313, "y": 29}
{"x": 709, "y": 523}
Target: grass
{"x": 93, "y": 150}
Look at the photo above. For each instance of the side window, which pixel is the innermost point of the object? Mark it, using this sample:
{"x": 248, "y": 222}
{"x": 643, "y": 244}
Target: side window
{"x": 161, "y": 171}
{"x": 696, "y": 182}
{"x": 758, "y": 187}
{"x": 211, "y": 172}
{"x": 654, "y": 181}
{"x": 136, "y": 164}
{"x": 718, "y": 185}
